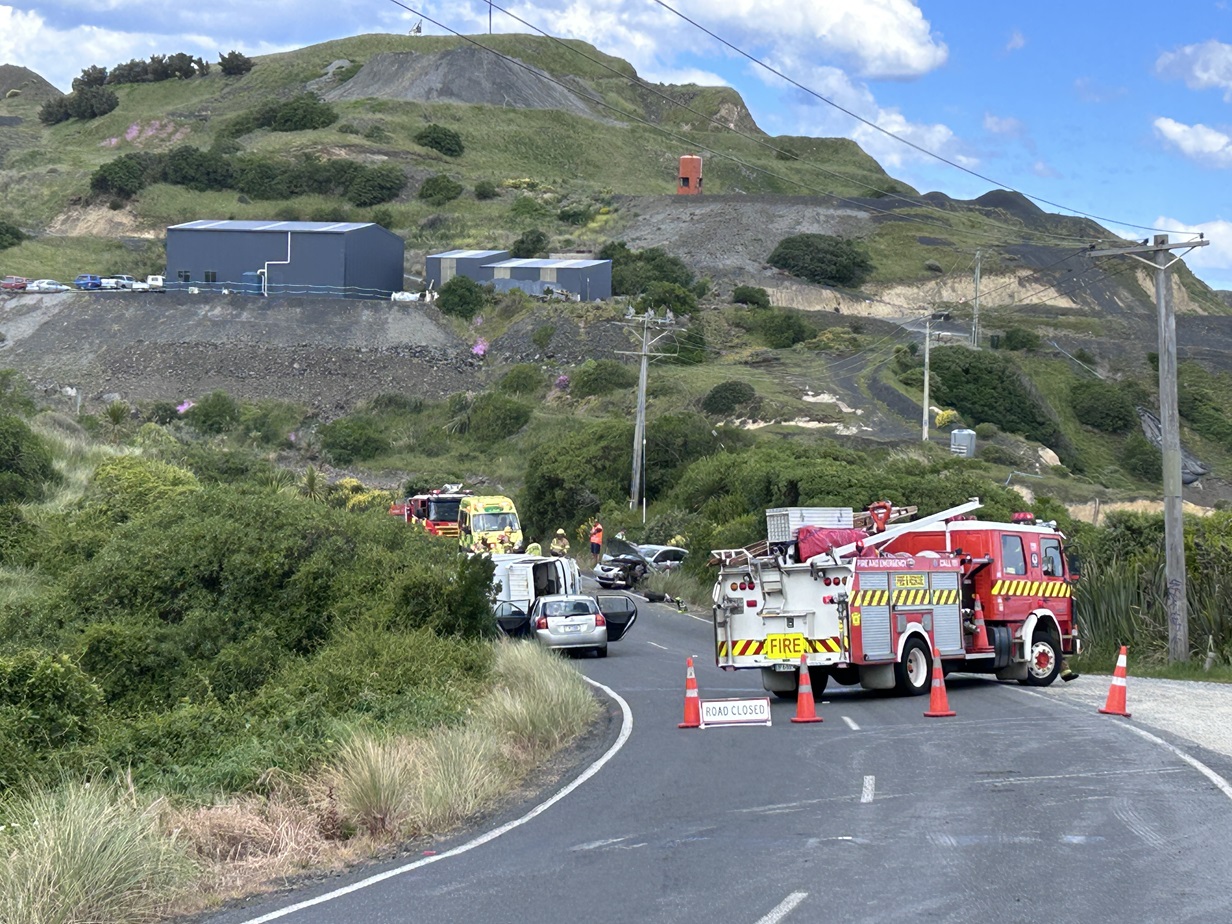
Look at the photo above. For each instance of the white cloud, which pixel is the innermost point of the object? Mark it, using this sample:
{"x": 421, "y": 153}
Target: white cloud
{"x": 1198, "y": 142}
{"x": 1008, "y": 125}
{"x": 1201, "y": 66}
{"x": 1045, "y": 170}
{"x": 1017, "y": 40}
{"x": 1090, "y": 90}
{"x": 1215, "y": 259}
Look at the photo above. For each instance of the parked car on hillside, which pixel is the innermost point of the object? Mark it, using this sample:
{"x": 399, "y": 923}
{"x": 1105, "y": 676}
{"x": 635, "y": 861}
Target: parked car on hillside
{"x": 88, "y": 281}
{"x": 119, "y": 281}
{"x": 151, "y": 284}
{"x": 14, "y": 283}
{"x": 626, "y": 564}
{"x": 46, "y": 285}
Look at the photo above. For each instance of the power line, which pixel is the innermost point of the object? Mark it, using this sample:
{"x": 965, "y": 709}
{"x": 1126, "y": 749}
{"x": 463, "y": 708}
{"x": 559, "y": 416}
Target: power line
{"x": 890, "y": 134}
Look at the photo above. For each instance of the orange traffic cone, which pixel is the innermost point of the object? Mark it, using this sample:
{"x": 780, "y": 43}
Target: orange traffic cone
{"x": 980, "y": 639}
{"x": 806, "y": 709}
{"x": 1116, "y": 692}
{"x": 692, "y": 705}
{"x": 938, "y": 702}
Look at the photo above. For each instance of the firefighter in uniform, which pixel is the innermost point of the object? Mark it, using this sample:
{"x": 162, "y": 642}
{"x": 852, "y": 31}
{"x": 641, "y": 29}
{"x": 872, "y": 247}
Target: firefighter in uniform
{"x": 560, "y": 544}
{"x": 534, "y": 548}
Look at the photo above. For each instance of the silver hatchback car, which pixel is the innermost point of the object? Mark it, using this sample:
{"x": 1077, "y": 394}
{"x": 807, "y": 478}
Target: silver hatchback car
{"x": 572, "y": 620}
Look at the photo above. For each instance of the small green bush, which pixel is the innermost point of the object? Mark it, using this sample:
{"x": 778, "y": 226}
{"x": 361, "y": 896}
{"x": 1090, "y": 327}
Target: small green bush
{"x": 124, "y": 487}
{"x": 986, "y": 430}
{"x": 523, "y": 379}
{"x": 600, "y": 376}
{"x": 441, "y": 139}
{"x": 997, "y": 455}
{"x": 823, "y": 259}
{"x": 1103, "y": 406}
{"x": 668, "y": 296}
{"x": 26, "y": 466}
{"x": 216, "y": 413}
{"x": 725, "y": 397}
{"x": 234, "y": 64}
{"x": 530, "y": 244}
{"x": 1142, "y": 459}
{"x": 634, "y": 270}
{"x": 486, "y": 189}
{"x": 354, "y": 439}
{"x": 496, "y": 417}
{"x": 439, "y": 189}
{"x": 542, "y": 337}
{"x": 1019, "y": 339}
{"x": 753, "y": 296}
{"x": 462, "y": 297}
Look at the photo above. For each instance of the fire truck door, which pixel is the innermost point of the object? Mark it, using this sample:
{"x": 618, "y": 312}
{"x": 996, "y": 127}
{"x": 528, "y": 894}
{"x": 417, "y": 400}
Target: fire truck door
{"x": 873, "y": 601}
{"x": 947, "y": 616}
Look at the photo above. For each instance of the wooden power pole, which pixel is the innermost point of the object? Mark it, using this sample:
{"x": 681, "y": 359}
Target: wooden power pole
{"x": 1170, "y": 425}
{"x": 928, "y": 336}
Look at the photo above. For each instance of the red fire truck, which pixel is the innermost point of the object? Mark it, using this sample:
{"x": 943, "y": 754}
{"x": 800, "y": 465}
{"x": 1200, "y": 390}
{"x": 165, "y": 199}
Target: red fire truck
{"x": 436, "y": 511}
{"x": 988, "y": 597}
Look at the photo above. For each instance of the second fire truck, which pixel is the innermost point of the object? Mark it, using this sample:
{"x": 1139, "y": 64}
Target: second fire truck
{"x": 988, "y": 597}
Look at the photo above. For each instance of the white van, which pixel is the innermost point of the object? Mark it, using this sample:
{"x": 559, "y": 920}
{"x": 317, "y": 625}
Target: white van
{"x": 521, "y": 579}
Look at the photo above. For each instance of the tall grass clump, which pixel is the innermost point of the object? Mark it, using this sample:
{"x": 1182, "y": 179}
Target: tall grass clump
{"x": 83, "y": 853}
{"x": 371, "y": 787}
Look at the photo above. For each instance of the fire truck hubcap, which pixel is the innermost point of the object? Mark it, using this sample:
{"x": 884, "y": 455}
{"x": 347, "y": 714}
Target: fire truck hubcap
{"x": 1042, "y": 657}
{"x": 917, "y": 666}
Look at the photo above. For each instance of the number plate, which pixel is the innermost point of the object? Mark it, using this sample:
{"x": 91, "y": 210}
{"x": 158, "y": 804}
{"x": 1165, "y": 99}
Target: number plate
{"x": 785, "y": 646}
{"x": 577, "y": 628}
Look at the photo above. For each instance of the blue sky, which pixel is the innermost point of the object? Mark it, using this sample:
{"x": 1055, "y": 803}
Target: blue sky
{"x": 1122, "y": 110}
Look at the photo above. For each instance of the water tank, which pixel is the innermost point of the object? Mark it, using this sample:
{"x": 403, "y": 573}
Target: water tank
{"x": 250, "y": 284}
{"x": 962, "y": 443}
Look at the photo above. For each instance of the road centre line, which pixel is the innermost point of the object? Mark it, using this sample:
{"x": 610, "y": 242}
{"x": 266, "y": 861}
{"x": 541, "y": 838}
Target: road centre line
{"x": 851, "y": 723}
{"x": 1222, "y": 784}
{"x": 870, "y": 784}
{"x": 783, "y": 908}
{"x": 626, "y": 729}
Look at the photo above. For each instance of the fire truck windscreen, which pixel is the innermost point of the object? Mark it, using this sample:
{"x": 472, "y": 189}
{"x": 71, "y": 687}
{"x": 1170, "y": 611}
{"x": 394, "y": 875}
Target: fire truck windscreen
{"x": 444, "y": 510}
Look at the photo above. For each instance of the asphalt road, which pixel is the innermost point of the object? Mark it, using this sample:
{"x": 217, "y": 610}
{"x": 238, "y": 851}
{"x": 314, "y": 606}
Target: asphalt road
{"x": 1021, "y": 808}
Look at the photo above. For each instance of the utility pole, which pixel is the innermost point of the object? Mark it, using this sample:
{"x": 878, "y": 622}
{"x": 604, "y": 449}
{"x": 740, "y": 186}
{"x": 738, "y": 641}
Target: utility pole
{"x": 928, "y": 337}
{"x": 637, "y": 482}
{"x": 489, "y": 17}
{"x": 975, "y": 318}
{"x": 1170, "y": 425}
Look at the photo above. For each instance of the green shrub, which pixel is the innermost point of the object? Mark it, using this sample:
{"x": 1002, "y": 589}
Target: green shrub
{"x": 575, "y": 214}
{"x": 634, "y": 271}
{"x": 725, "y": 397}
{"x": 496, "y": 417}
{"x": 528, "y": 208}
{"x": 26, "y": 466}
{"x": 1142, "y": 459}
{"x": 1103, "y": 406}
{"x": 234, "y": 64}
{"x": 354, "y": 439}
{"x": 523, "y": 379}
{"x": 439, "y": 189}
{"x": 374, "y": 185}
{"x": 753, "y": 296}
{"x": 986, "y": 431}
{"x": 302, "y": 113}
{"x": 462, "y": 297}
{"x": 823, "y": 259}
{"x": 530, "y": 244}
{"x": 486, "y": 189}
{"x": 542, "y": 337}
{"x": 442, "y": 139}
{"x": 998, "y": 455}
{"x": 124, "y": 487}
{"x": 777, "y": 328}
{"x": 10, "y": 236}
{"x": 570, "y": 479}
{"x": 669, "y": 296}
{"x": 216, "y": 413}
{"x": 600, "y": 376}
{"x": 1020, "y": 339}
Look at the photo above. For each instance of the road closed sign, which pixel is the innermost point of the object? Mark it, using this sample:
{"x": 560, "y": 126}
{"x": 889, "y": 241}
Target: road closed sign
{"x": 755, "y": 711}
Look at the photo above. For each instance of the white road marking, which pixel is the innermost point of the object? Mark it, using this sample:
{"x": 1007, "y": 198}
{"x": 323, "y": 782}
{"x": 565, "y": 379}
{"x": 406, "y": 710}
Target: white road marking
{"x": 1222, "y": 784}
{"x": 850, "y": 723}
{"x": 626, "y": 729}
{"x": 594, "y": 845}
{"x": 700, "y": 618}
{"x": 657, "y": 645}
{"x": 870, "y": 784}
{"x": 783, "y": 908}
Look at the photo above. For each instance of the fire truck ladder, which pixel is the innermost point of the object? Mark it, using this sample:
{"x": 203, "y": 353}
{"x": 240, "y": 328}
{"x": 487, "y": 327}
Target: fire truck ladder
{"x": 894, "y": 532}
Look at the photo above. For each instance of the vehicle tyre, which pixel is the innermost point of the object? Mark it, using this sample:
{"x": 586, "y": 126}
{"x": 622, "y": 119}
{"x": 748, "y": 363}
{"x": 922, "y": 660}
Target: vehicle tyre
{"x": 1043, "y": 661}
{"x": 601, "y": 651}
{"x": 606, "y": 585}
{"x": 914, "y": 673}
{"x": 818, "y": 678}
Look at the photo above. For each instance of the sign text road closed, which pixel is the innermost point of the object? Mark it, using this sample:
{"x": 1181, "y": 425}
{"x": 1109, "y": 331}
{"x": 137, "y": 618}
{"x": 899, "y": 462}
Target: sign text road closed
{"x": 755, "y": 711}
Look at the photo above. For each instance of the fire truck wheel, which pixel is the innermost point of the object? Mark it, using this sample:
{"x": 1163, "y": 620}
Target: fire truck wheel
{"x": 818, "y": 678}
{"x": 914, "y": 673}
{"x": 1044, "y": 664}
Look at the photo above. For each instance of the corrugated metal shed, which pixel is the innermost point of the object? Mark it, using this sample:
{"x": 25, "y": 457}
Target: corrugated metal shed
{"x": 586, "y": 279}
{"x": 441, "y": 267}
{"x": 341, "y": 259}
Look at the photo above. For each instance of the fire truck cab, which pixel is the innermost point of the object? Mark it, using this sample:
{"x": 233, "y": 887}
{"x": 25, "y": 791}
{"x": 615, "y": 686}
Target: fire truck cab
{"x": 986, "y": 597}
{"x": 436, "y": 511}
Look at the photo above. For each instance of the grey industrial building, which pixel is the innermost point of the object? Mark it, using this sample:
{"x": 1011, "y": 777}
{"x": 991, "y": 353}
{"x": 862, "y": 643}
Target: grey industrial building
{"x": 587, "y": 279}
{"x": 340, "y": 259}
{"x": 473, "y": 264}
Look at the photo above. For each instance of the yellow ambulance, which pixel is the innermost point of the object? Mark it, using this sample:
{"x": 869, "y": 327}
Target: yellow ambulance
{"x": 482, "y": 519}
